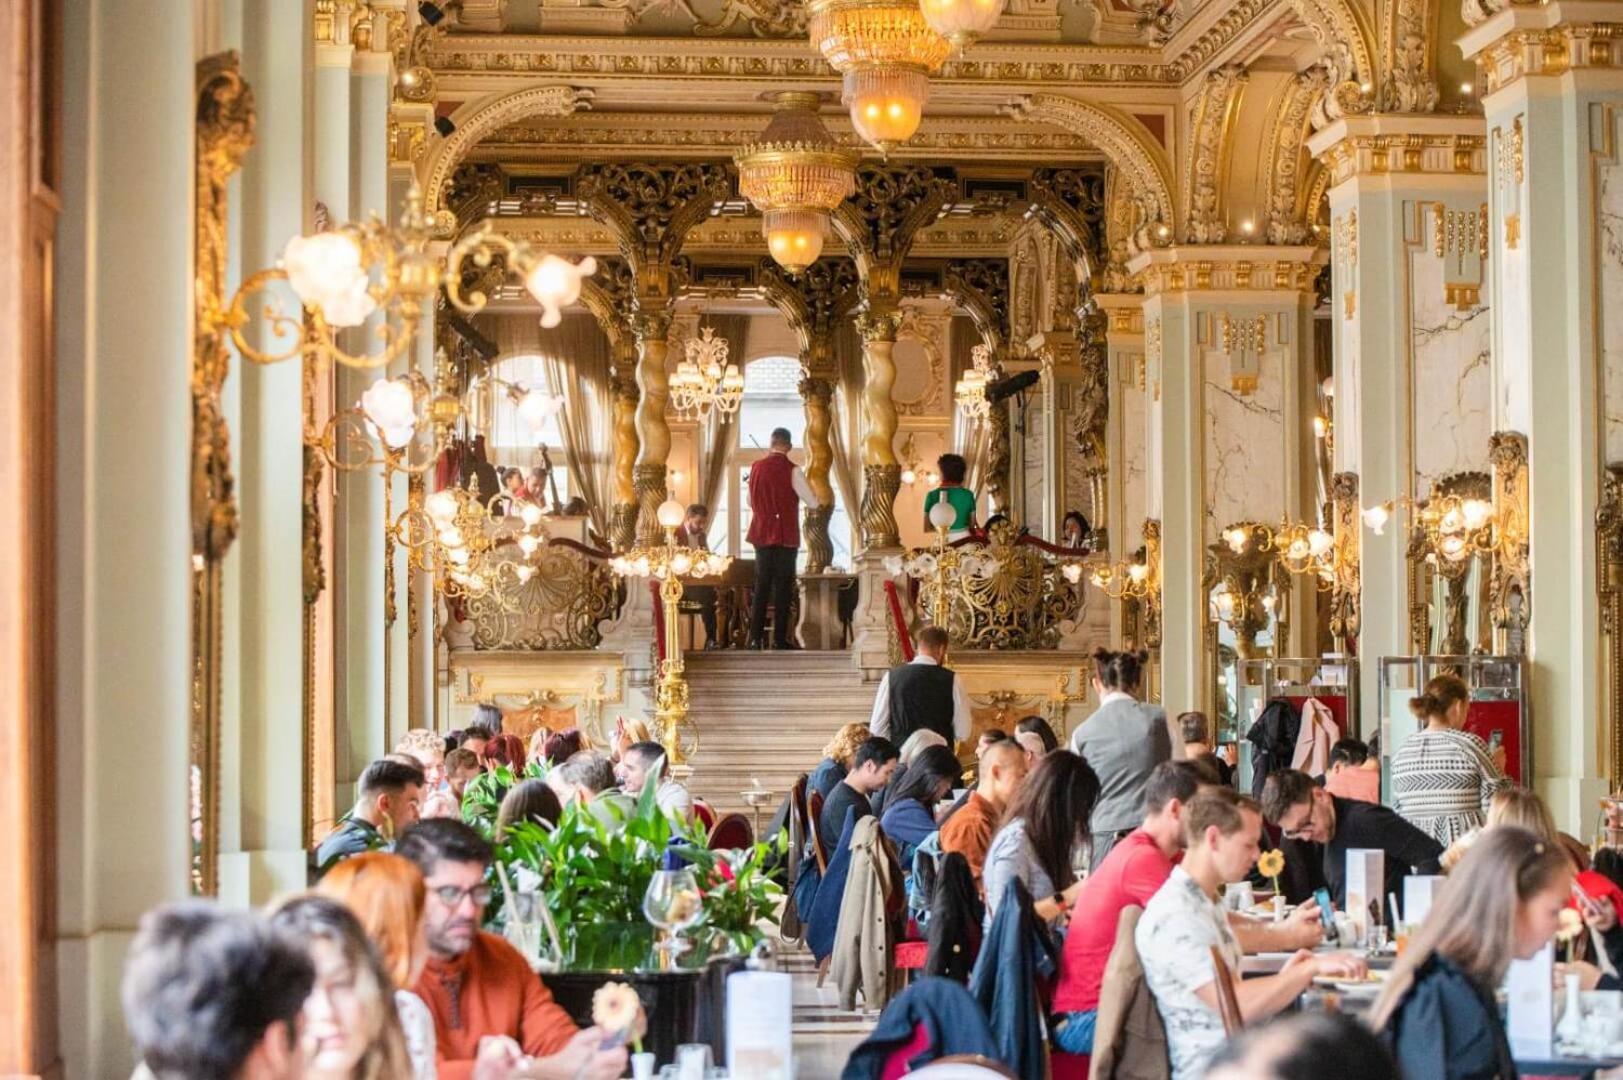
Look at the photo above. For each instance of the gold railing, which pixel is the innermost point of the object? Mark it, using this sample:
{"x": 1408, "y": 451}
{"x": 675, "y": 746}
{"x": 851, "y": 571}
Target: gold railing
{"x": 560, "y": 606}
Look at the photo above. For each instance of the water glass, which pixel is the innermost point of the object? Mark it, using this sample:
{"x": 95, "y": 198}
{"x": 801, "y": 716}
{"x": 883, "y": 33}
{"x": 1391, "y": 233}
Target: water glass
{"x": 672, "y": 903}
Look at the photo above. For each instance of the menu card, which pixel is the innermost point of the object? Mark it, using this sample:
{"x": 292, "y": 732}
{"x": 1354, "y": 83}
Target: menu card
{"x": 1366, "y": 890}
{"x": 1418, "y": 891}
{"x": 760, "y": 1014}
{"x": 1530, "y": 1004}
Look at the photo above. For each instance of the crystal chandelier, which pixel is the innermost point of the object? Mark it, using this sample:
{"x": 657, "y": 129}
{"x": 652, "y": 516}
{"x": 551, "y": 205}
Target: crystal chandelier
{"x": 705, "y": 380}
{"x": 971, "y": 389}
{"x": 961, "y": 22}
{"x": 886, "y": 52}
{"x": 795, "y": 174}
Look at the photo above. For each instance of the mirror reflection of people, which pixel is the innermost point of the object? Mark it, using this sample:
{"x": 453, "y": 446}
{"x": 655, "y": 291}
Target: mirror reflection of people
{"x": 777, "y": 487}
{"x": 952, "y": 490}
{"x": 1075, "y": 532}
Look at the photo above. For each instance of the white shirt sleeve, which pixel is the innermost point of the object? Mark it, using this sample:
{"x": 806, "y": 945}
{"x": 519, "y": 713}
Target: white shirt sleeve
{"x": 803, "y": 488}
{"x": 962, "y": 718}
{"x": 879, "y": 722}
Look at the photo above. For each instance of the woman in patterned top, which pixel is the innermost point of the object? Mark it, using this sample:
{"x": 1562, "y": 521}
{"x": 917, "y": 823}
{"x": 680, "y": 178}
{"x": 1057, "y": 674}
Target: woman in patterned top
{"x": 1443, "y": 777}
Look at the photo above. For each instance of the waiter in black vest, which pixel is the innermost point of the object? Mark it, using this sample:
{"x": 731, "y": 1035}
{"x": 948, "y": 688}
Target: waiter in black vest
{"x": 922, "y": 693}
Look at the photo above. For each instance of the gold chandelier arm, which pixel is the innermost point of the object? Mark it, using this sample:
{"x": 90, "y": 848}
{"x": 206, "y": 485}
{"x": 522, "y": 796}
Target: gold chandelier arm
{"x": 235, "y": 318}
{"x": 481, "y": 246}
{"x": 397, "y": 341}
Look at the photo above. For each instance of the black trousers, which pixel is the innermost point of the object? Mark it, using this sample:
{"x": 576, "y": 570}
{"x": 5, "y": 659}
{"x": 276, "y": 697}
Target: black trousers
{"x": 774, "y": 584}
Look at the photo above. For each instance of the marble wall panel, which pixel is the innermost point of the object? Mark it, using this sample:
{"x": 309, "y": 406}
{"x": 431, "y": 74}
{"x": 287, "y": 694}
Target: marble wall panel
{"x": 1245, "y": 444}
{"x": 1451, "y": 368}
{"x": 1135, "y": 470}
{"x": 1609, "y": 254}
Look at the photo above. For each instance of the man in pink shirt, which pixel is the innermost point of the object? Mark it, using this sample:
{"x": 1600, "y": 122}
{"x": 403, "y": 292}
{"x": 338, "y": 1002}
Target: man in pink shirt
{"x": 1135, "y": 869}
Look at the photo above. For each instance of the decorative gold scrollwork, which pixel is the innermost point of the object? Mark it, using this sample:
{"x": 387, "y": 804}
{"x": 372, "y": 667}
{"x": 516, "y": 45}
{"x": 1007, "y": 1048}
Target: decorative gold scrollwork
{"x": 1010, "y": 596}
{"x": 1609, "y": 566}
{"x": 560, "y": 606}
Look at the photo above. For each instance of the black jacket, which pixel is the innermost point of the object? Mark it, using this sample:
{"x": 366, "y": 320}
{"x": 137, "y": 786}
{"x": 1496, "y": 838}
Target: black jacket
{"x": 1370, "y": 825}
{"x": 951, "y": 1021}
{"x": 1447, "y": 1028}
{"x": 954, "y": 928}
{"x": 1273, "y": 741}
{"x": 1017, "y": 952}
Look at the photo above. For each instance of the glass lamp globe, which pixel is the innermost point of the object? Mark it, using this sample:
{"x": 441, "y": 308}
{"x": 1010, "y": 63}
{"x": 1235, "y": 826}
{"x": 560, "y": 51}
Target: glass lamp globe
{"x": 961, "y": 21}
{"x": 441, "y": 506}
{"x": 670, "y": 514}
{"x": 794, "y": 237}
{"x": 942, "y": 515}
{"x": 887, "y": 104}
{"x": 555, "y": 284}
{"x": 536, "y": 408}
{"x": 1320, "y": 542}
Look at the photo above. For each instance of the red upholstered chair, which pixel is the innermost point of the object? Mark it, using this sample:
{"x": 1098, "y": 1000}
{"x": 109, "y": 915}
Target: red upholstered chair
{"x": 730, "y": 833}
{"x": 896, "y": 1064}
{"x": 705, "y": 814}
{"x": 1063, "y": 1066}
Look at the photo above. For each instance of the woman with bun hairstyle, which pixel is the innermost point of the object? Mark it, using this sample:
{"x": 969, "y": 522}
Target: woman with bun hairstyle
{"x": 1443, "y": 777}
{"x": 1124, "y": 740}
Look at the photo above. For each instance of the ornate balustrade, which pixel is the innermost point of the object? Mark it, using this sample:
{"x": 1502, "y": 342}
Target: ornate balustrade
{"x": 562, "y": 605}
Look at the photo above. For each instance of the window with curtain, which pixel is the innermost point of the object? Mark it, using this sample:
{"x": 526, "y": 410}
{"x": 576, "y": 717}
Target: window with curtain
{"x": 511, "y": 441}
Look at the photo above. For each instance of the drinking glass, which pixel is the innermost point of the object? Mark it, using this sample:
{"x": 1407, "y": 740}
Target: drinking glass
{"x": 672, "y": 904}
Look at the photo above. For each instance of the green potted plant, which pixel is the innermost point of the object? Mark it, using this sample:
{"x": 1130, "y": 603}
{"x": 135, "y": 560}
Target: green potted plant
{"x": 737, "y": 894}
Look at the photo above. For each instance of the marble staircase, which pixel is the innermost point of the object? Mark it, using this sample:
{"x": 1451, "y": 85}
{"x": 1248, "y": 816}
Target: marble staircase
{"x": 767, "y": 716}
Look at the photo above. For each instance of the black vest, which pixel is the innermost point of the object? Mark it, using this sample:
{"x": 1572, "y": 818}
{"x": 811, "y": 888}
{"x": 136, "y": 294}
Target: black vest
{"x": 920, "y": 697}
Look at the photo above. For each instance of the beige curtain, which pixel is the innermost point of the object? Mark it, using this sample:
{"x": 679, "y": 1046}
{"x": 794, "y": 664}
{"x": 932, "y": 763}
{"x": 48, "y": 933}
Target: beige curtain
{"x": 718, "y": 433}
{"x": 968, "y": 436}
{"x": 846, "y": 431}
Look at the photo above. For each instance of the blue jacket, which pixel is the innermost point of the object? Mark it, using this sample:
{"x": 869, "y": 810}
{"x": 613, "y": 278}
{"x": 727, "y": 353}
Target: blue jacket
{"x": 951, "y": 1021}
{"x": 824, "y": 917}
{"x": 907, "y": 823}
{"x": 1018, "y": 951}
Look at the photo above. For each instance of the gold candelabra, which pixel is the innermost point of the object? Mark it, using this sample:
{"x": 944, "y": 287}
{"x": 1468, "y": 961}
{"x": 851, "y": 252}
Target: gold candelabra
{"x": 669, "y": 564}
{"x": 1453, "y": 527}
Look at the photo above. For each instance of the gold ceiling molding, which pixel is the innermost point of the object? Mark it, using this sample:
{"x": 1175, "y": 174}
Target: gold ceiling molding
{"x": 1146, "y": 174}
{"x": 1410, "y": 84}
{"x": 1211, "y": 120}
{"x": 1289, "y": 213}
{"x": 1229, "y": 268}
{"x": 742, "y": 235}
{"x": 474, "y": 122}
{"x": 1524, "y": 53}
{"x": 1378, "y": 145}
{"x": 1188, "y": 59}
{"x": 1337, "y": 27}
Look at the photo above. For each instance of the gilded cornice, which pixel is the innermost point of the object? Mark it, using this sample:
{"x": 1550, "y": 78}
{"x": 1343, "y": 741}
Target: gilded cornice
{"x": 1524, "y": 42}
{"x": 1383, "y": 145}
{"x": 957, "y": 237}
{"x": 1228, "y": 268}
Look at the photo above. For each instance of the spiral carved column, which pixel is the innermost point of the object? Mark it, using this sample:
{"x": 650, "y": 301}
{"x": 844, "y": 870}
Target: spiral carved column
{"x": 653, "y": 433}
{"x": 881, "y": 473}
{"x": 623, "y": 526}
{"x": 818, "y": 394}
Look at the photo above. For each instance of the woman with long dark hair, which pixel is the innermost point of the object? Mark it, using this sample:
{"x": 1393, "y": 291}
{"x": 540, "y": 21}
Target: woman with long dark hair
{"x": 1044, "y": 829}
{"x": 910, "y": 810}
{"x": 1124, "y": 740}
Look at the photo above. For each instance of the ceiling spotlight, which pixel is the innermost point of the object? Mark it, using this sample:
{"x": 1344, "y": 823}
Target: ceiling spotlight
{"x": 444, "y": 125}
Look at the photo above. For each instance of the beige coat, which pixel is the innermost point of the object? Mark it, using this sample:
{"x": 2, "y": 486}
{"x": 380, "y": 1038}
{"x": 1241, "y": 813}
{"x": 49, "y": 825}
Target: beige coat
{"x": 1129, "y": 1039}
{"x": 862, "y": 939}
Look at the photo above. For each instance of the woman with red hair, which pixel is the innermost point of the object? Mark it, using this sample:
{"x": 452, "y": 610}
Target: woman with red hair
{"x": 504, "y": 749}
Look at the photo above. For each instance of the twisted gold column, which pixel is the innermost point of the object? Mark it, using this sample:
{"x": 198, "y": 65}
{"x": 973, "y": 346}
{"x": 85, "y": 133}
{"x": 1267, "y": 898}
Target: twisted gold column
{"x": 818, "y": 395}
{"x": 881, "y": 473}
{"x": 998, "y": 457}
{"x": 623, "y": 524}
{"x": 653, "y": 433}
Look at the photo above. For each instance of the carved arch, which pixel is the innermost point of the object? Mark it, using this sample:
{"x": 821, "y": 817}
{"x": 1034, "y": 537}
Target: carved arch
{"x": 477, "y": 119}
{"x": 1289, "y": 214}
{"x": 1132, "y": 150}
{"x": 1345, "y": 35}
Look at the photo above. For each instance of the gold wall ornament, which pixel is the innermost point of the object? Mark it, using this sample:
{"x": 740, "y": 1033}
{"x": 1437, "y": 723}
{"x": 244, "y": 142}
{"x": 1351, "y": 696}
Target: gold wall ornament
{"x": 561, "y": 606}
{"x": 1609, "y": 583}
{"x": 1246, "y": 585}
{"x": 1346, "y": 593}
{"x": 224, "y": 132}
{"x": 1244, "y": 342}
{"x": 1511, "y": 591}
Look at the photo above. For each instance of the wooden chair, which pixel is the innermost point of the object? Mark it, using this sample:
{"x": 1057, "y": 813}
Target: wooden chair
{"x": 731, "y": 833}
{"x": 704, "y": 814}
{"x": 814, "y": 810}
{"x": 1228, "y": 998}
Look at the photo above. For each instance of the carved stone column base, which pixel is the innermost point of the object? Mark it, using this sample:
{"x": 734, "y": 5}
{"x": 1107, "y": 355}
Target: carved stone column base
{"x": 880, "y": 483}
{"x": 871, "y": 631}
{"x": 650, "y": 493}
{"x": 623, "y": 526}
{"x": 814, "y": 533}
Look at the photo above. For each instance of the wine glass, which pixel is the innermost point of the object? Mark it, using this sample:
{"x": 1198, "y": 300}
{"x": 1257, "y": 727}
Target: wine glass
{"x": 672, "y": 904}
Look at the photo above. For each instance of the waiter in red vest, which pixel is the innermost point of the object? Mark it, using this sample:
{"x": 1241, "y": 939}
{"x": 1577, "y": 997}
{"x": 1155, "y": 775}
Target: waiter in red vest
{"x": 777, "y": 488}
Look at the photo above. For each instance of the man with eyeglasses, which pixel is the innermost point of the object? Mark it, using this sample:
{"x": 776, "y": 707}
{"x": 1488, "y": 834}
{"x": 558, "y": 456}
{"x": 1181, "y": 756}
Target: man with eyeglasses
{"x": 1306, "y": 812}
{"x": 477, "y": 985}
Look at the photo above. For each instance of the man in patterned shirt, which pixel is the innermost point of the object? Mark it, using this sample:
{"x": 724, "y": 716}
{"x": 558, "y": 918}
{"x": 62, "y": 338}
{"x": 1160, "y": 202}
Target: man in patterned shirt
{"x": 1184, "y": 920}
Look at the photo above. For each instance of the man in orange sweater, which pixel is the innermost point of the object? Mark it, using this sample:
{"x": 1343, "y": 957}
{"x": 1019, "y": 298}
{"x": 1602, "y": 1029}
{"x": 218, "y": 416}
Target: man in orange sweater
{"x": 970, "y": 828}
{"x": 476, "y": 984}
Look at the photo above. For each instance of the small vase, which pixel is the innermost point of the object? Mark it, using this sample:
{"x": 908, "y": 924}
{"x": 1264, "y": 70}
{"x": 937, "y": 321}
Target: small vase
{"x": 1570, "y": 1031}
{"x": 1279, "y": 907}
{"x": 642, "y": 1066}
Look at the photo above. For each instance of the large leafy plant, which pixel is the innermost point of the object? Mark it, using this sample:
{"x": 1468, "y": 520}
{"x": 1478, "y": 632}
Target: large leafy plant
{"x": 482, "y": 798}
{"x": 737, "y": 891}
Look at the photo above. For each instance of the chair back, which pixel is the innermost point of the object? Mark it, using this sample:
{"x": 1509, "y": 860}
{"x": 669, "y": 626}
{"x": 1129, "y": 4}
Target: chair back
{"x": 731, "y": 833}
{"x": 814, "y": 810}
{"x": 796, "y": 818}
{"x": 1228, "y": 999}
{"x": 704, "y": 813}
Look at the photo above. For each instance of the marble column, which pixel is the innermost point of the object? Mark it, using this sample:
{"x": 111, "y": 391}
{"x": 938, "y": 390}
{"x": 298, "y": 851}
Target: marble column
{"x": 817, "y": 393}
{"x": 1409, "y": 328}
{"x": 624, "y": 388}
{"x": 1227, "y": 338}
{"x": 1554, "y": 109}
{"x": 263, "y": 775}
{"x": 1125, "y": 432}
{"x": 123, "y": 307}
{"x": 653, "y": 431}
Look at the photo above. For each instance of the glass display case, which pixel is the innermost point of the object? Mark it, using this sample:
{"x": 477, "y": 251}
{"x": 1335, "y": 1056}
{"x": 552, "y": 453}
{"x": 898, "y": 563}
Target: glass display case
{"x": 1333, "y": 680}
{"x": 1498, "y": 711}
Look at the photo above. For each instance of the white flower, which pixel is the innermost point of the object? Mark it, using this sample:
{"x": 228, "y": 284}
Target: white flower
{"x": 615, "y": 1008}
{"x": 325, "y": 272}
{"x": 390, "y": 411}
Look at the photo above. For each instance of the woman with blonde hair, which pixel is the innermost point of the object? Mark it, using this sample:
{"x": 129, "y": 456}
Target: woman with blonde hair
{"x": 386, "y": 894}
{"x": 1502, "y": 903}
{"x": 837, "y": 757}
{"x": 628, "y": 732}
{"x": 351, "y": 1030}
{"x": 1443, "y": 777}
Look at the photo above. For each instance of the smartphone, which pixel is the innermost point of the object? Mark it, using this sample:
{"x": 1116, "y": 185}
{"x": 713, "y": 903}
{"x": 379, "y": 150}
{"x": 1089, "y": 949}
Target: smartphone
{"x": 1496, "y": 739}
{"x": 1326, "y": 909}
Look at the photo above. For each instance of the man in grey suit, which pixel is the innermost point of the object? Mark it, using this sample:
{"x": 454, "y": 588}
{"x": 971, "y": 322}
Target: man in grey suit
{"x": 1124, "y": 740}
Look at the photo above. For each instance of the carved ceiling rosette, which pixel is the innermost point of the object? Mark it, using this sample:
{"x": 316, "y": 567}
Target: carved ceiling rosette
{"x": 880, "y": 222}
{"x": 813, "y": 303}
{"x": 650, "y": 207}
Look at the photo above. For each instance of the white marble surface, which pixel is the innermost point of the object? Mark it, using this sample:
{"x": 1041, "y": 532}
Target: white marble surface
{"x": 1245, "y": 445}
{"x": 1609, "y": 208}
{"x": 1452, "y": 369}
{"x": 1135, "y": 470}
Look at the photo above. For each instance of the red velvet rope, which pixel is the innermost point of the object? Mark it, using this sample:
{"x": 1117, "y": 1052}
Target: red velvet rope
{"x": 902, "y": 636}
{"x": 659, "y": 620}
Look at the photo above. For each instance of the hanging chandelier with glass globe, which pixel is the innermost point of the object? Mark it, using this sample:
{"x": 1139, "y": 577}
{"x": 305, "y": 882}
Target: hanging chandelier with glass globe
{"x": 886, "y": 53}
{"x": 962, "y": 22}
{"x": 705, "y": 379}
{"x": 796, "y": 175}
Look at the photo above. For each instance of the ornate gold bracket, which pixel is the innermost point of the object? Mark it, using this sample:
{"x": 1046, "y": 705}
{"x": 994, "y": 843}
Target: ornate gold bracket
{"x": 1512, "y": 591}
{"x": 1346, "y": 588}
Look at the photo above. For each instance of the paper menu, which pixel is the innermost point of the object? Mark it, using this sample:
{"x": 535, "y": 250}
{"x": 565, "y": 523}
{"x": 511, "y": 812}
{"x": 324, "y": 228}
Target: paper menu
{"x": 1418, "y": 892}
{"x": 1530, "y": 1004}
{"x": 1365, "y": 894}
{"x": 760, "y": 1016}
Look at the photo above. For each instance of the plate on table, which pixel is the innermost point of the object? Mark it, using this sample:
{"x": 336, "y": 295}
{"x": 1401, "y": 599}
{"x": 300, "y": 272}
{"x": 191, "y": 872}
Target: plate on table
{"x": 1370, "y": 984}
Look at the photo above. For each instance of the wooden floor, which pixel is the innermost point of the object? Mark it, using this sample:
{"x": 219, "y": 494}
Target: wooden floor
{"x": 824, "y": 1033}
